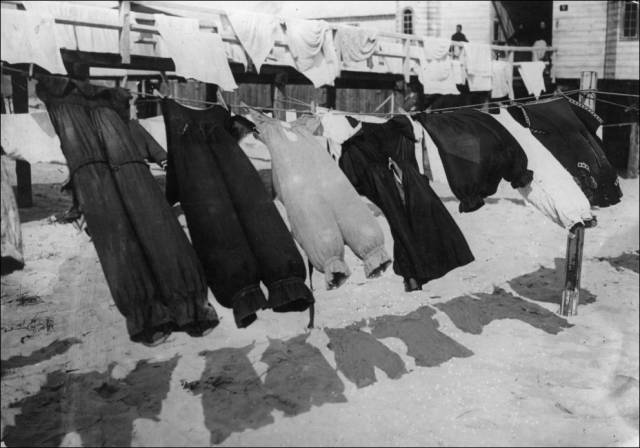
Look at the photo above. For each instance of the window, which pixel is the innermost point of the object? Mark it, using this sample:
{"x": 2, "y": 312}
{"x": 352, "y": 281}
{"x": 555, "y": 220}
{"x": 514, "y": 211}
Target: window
{"x": 407, "y": 21}
{"x": 630, "y": 20}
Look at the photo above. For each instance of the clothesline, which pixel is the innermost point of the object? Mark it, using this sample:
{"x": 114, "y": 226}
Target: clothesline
{"x": 299, "y": 102}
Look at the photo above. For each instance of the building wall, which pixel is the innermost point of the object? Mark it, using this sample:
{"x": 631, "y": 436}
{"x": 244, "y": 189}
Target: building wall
{"x": 580, "y": 35}
{"x": 439, "y": 18}
{"x": 378, "y": 23}
{"x": 627, "y": 60}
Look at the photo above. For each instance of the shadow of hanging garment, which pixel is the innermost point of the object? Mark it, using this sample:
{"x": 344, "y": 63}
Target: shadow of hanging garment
{"x": 629, "y": 261}
{"x": 546, "y": 285}
{"x": 100, "y": 409}
{"x": 57, "y": 347}
{"x": 299, "y": 376}
{"x": 357, "y": 353}
{"x": 472, "y": 315}
{"x": 233, "y": 397}
{"x": 419, "y": 331}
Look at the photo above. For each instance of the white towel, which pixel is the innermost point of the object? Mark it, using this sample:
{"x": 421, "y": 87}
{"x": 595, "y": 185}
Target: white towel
{"x": 197, "y": 55}
{"x": 29, "y": 37}
{"x": 30, "y": 137}
{"x": 313, "y": 50}
{"x": 477, "y": 57}
{"x": 83, "y": 38}
{"x": 553, "y": 190}
{"x": 502, "y": 84}
{"x": 355, "y": 45}
{"x": 438, "y": 77}
{"x": 532, "y": 76}
{"x": 436, "y": 47}
{"x": 257, "y": 33}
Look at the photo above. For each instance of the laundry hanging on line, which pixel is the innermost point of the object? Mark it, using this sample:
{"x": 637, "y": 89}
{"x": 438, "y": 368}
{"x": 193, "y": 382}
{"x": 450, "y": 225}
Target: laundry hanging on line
{"x": 257, "y": 33}
{"x": 477, "y": 153}
{"x": 234, "y": 226}
{"x": 152, "y": 271}
{"x": 29, "y": 37}
{"x": 552, "y": 191}
{"x": 324, "y": 211}
{"x": 11, "y": 235}
{"x": 427, "y": 241}
{"x": 30, "y": 137}
{"x": 555, "y": 124}
{"x": 198, "y": 55}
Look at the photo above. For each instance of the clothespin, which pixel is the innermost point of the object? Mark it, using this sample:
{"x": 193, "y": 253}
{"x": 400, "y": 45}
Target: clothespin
{"x": 30, "y": 71}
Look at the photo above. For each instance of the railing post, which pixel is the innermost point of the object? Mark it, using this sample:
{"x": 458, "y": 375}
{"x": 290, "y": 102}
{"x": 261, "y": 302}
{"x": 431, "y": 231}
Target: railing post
{"x": 125, "y": 31}
{"x": 634, "y": 152}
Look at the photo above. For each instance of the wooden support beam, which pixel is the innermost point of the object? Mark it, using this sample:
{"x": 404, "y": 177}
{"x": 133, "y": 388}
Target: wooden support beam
{"x": 278, "y": 94}
{"x": 20, "y": 99}
{"x": 330, "y": 97}
{"x": 634, "y": 152}
{"x": 125, "y": 31}
{"x": 571, "y": 292}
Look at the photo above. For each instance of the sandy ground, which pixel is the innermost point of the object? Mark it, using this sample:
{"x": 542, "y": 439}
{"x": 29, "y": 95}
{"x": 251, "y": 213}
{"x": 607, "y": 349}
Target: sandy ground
{"x": 478, "y": 357}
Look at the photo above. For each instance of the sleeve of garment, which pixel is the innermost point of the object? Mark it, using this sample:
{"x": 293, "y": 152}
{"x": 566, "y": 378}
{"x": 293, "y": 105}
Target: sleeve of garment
{"x": 148, "y": 146}
{"x": 351, "y": 169}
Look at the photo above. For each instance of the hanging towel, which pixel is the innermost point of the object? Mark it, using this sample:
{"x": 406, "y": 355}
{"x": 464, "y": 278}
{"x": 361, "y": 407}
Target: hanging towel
{"x": 553, "y": 190}
{"x": 313, "y": 50}
{"x": 83, "y": 38}
{"x": 531, "y": 73}
{"x": 257, "y": 33}
{"x": 436, "y": 47}
{"x": 438, "y": 78}
{"x": 197, "y": 55}
{"x": 11, "y": 237}
{"x": 355, "y": 45}
{"x": 477, "y": 58}
{"x": 31, "y": 137}
{"x": 459, "y": 76}
{"x": 502, "y": 83}
{"x": 29, "y": 37}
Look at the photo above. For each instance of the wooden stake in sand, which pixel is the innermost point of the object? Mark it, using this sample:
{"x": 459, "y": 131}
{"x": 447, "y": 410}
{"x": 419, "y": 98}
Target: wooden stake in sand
{"x": 571, "y": 292}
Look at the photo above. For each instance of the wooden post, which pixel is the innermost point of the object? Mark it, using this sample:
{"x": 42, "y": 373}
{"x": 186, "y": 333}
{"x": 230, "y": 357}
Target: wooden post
{"x": 277, "y": 94}
{"x": 406, "y": 60}
{"x": 634, "y": 152}
{"x": 330, "y": 97}
{"x": 571, "y": 292}
{"x": 575, "y": 239}
{"x": 125, "y": 32}
{"x": 20, "y": 99}
{"x": 588, "y": 81}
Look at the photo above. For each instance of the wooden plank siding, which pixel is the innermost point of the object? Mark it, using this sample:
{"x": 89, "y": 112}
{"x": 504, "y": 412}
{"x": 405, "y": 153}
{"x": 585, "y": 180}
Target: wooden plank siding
{"x": 580, "y": 34}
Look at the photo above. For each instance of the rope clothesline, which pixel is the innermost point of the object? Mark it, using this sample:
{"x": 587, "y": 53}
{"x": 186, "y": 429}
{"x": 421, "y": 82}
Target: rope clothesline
{"x": 159, "y": 96}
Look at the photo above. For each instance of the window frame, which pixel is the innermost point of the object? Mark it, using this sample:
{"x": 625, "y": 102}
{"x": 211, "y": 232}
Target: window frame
{"x": 623, "y": 16}
{"x": 408, "y": 13}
